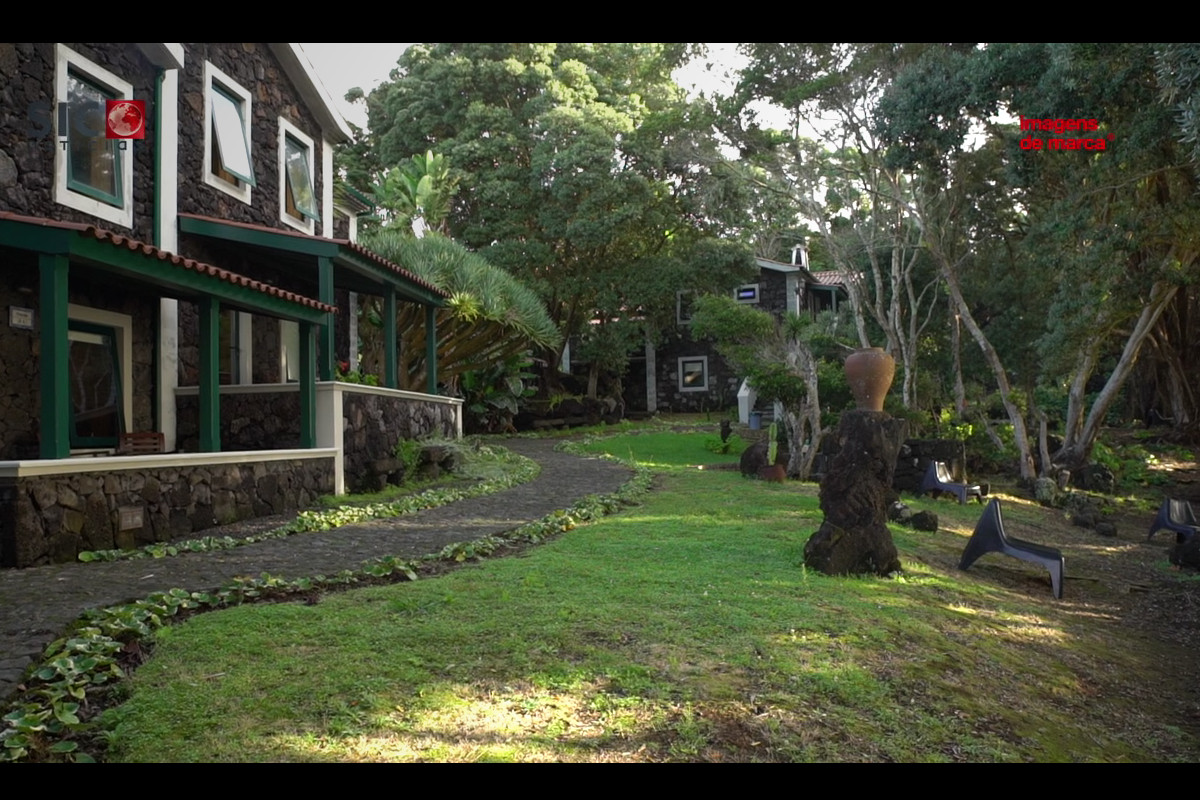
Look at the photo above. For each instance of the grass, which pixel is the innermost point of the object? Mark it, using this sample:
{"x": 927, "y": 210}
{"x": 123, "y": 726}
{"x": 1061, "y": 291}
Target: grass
{"x": 686, "y": 629}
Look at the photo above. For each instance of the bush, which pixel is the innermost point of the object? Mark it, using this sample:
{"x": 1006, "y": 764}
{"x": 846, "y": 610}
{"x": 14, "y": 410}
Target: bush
{"x": 408, "y": 453}
{"x": 735, "y": 444}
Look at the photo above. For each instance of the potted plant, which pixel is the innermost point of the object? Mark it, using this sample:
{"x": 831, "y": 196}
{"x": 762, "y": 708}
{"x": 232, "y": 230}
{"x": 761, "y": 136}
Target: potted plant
{"x": 776, "y": 473}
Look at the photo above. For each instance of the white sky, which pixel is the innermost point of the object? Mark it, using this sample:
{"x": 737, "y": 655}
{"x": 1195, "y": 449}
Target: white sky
{"x": 343, "y": 65}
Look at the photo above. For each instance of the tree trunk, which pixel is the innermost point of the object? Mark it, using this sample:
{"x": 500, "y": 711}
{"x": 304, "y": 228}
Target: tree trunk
{"x": 1020, "y": 435}
{"x": 1076, "y": 397}
{"x": 1076, "y": 451}
{"x": 1043, "y": 446}
{"x": 960, "y": 391}
{"x": 805, "y": 420}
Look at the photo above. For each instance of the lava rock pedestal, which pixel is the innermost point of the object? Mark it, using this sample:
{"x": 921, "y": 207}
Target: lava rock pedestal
{"x": 855, "y": 495}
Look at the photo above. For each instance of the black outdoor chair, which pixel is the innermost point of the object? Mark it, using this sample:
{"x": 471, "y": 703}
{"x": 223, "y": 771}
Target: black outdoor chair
{"x": 937, "y": 479}
{"x": 1175, "y": 515}
{"x": 989, "y": 537}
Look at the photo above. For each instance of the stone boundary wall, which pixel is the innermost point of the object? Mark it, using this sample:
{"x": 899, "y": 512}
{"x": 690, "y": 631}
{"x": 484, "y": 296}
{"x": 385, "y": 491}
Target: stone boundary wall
{"x": 52, "y": 518}
{"x": 266, "y": 420}
{"x": 374, "y": 423}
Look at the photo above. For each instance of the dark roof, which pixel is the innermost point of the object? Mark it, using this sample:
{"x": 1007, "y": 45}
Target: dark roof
{"x": 778, "y": 266}
{"x": 149, "y": 250}
{"x": 353, "y": 247}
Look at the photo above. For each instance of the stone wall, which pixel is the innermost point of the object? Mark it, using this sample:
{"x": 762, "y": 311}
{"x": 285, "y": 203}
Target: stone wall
{"x": 27, "y": 136}
{"x": 265, "y": 346}
{"x": 772, "y": 292}
{"x": 265, "y": 349}
{"x": 20, "y": 389}
{"x": 374, "y": 423}
{"x": 253, "y": 67}
{"x": 722, "y": 382}
{"x": 20, "y": 392}
{"x": 260, "y": 421}
{"x": 51, "y": 519}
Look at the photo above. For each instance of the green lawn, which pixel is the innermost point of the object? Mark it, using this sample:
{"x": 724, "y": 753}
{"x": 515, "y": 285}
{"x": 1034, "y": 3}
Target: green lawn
{"x": 683, "y": 629}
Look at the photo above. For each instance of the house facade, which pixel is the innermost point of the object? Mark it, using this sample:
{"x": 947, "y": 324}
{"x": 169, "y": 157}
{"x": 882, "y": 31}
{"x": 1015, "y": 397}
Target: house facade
{"x": 175, "y": 305}
{"x": 688, "y": 375}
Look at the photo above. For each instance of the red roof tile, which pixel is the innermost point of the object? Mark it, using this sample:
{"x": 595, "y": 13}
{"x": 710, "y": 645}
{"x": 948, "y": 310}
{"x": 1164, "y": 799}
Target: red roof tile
{"x": 353, "y": 246}
{"x": 828, "y": 278}
{"x": 119, "y": 240}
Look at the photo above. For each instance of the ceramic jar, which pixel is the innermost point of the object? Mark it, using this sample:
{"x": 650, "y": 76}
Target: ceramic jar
{"x": 869, "y": 372}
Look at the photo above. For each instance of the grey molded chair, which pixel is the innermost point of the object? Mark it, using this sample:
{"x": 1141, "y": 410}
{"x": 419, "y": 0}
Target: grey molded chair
{"x": 937, "y": 479}
{"x": 989, "y": 537}
{"x": 1175, "y": 515}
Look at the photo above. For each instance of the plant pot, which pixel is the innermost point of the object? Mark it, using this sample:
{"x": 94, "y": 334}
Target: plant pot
{"x": 869, "y": 372}
{"x": 775, "y": 473}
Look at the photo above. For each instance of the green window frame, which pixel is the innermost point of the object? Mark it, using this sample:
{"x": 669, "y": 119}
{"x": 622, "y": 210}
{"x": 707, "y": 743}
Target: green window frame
{"x": 103, "y": 342}
{"x": 86, "y": 140}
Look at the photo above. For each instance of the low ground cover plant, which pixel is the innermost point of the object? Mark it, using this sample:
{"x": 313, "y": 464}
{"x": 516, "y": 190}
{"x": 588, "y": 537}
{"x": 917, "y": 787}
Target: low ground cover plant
{"x": 683, "y": 629}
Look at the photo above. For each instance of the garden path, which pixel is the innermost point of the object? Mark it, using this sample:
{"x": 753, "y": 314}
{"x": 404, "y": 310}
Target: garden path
{"x": 36, "y": 604}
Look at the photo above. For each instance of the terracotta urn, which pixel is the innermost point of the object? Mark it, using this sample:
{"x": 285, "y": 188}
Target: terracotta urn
{"x": 773, "y": 473}
{"x": 869, "y": 372}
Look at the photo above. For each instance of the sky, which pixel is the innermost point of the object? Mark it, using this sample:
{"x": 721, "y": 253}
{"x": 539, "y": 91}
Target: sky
{"x": 343, "y": 65}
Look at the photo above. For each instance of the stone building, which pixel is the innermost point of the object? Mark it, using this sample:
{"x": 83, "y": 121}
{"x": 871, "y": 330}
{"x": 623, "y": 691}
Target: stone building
{"x": 175, "y": 304}
{"x": 688, "y": 375}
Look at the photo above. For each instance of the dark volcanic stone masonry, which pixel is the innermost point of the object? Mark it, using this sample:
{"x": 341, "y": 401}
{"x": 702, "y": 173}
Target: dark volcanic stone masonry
{"x": 53, "y": 518}
{"x": 37, "y": 604}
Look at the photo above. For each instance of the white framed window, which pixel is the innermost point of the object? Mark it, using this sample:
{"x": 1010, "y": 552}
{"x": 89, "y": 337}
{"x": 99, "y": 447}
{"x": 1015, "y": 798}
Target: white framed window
{"x": 228, "y": 154}
{"x": 693, "y": 373}
{"x": 683, "y": 306}
{"x": 746, "y": 293}
{"x": 297, "y": 191}
{"x": 92, "y": 173}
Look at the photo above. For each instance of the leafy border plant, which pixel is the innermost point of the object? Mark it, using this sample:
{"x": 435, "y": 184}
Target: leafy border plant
{"x": 60, "y": 705}
{"x": 523, "y": 471}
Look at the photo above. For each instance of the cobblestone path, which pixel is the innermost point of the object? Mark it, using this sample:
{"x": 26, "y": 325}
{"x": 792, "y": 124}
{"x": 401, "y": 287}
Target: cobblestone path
{"x": 36, "y": 604}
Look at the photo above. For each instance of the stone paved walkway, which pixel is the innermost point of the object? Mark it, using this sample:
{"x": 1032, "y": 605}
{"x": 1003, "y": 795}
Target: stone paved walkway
{"x": 37, "y": 604}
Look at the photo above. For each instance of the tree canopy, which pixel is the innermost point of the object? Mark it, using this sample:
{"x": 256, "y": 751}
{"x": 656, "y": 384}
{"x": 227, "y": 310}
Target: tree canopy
{"x": 489, "y": 318}
{"x": 583, "y": 170}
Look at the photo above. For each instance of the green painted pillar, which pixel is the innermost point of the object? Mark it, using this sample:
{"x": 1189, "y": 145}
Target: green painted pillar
{"x": 328, "y": 329}
{"x": 210, "y": 375}
{"x": 431, "y": 349}
{"x": 54, "y": 358}
{"x": 390, "y": 333}
{"x": 308, "y": 385}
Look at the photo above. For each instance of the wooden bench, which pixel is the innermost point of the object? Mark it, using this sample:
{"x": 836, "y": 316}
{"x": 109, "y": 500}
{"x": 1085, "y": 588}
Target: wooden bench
{"x": 141, "y": 443}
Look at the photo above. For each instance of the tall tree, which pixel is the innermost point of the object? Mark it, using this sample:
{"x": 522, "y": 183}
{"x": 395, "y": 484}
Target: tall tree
{"x": 1114, "y": 230}
{"x": 841, "y": 182}
{"x": 579, "y": 167}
